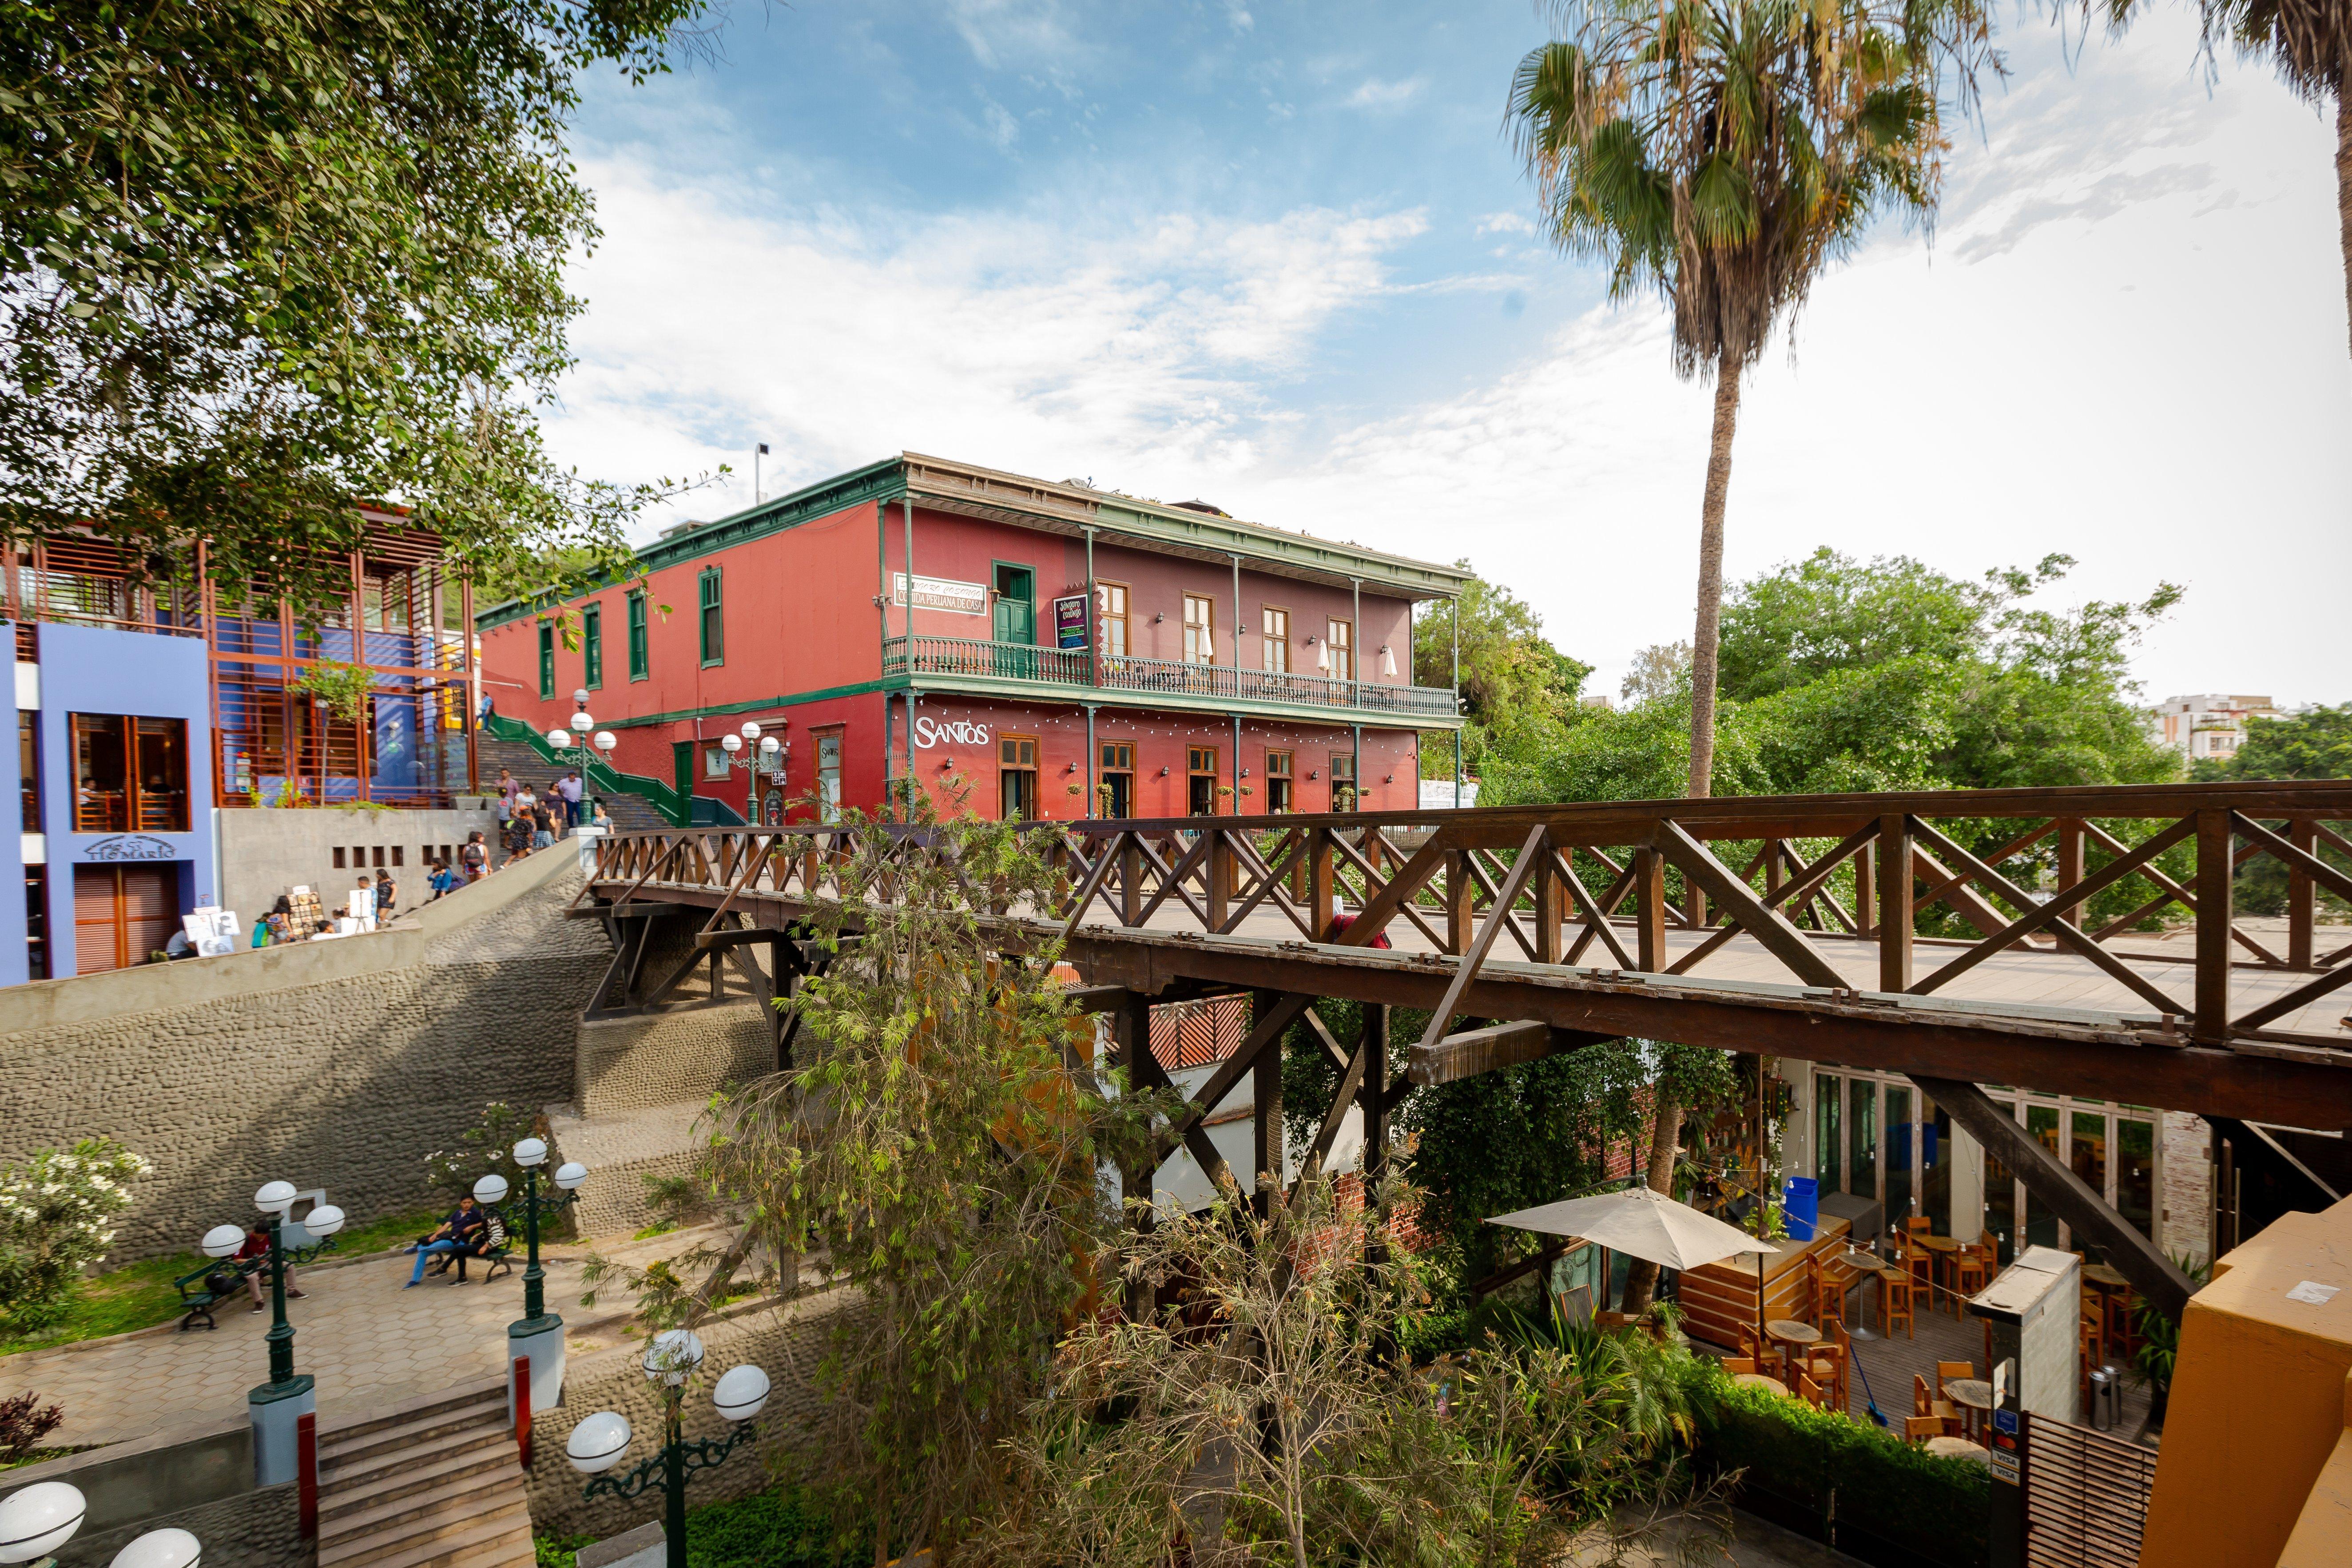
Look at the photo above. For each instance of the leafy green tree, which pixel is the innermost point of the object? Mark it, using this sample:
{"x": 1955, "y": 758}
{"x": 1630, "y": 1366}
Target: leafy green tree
{"x": 1508, "y": 666}
{"x": 1724, "y": 152}
{"x": 937, "y": 1148}
{"x": 2314, "y": 744}
{"x": 263, "y": 259}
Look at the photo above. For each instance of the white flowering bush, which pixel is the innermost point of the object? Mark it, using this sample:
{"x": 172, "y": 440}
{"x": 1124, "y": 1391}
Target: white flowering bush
{"x": 57, "y": 1213}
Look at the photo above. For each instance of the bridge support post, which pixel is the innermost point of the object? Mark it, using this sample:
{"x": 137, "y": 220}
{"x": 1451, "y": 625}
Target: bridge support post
{"x": 2300, "y": 832}
{"x": 2047, "y": 1177}
{"x": 2069, "y": 862}
{"x": 1865, "y": 891}
{"x": 1895, "y": 912}
{"x": 1133, "y": 1030}
{"x": 1549, "y": 897}
{"x": 2216, "y": 869}
{"x": 1649, "y": 908}
{"x": 1218, "y": 873}
{"x": 1268, "y": 1170}
{"x": 1461, "y": 905}
{"x": 1322, "y": 883}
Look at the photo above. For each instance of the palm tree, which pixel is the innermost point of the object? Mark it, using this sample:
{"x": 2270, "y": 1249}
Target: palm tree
{"x": 1724, "y": 152}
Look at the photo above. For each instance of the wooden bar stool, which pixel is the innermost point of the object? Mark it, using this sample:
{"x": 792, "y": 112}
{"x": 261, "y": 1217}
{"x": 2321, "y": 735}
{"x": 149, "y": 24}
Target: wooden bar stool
{"x": 1894, "y": 1303}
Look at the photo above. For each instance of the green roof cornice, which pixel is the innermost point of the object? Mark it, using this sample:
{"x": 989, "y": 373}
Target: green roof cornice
{"x": 1067, "y": 508}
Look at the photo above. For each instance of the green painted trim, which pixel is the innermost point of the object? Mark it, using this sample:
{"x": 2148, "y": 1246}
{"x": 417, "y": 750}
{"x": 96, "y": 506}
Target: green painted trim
{"x": 1115, "y": 516}
{"x": 1170, "y": 702}
{"x": 601, "y": 773}
{"x": 714, "y": 579}
{"x": 854, "y": 689}
{"x": 874, "y": 481}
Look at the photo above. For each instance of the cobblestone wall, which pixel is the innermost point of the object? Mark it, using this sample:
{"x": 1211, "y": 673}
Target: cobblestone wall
{"x": 787, "y": 1342}
{"x": 346, "y": 1084}
{"x": 635, "y": 1063}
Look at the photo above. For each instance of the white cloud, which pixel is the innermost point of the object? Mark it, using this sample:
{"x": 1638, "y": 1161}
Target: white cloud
{"x": 2127, "y": 344}
{"x": 1003, "y": 129}
{"x": 1507, "y": 222}
{"x": 1384, "y": 97}
{"x": 1013, "y": 342}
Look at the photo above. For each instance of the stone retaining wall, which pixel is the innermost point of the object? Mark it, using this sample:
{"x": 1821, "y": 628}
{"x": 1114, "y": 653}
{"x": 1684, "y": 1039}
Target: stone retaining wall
{"x": 197, "y": 1479}
{"x": 637, "y": 1062}
{"x": 339, "y": 1064}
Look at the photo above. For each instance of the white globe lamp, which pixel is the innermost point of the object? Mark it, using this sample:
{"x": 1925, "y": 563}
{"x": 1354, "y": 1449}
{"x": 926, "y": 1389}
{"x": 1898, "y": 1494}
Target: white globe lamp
{"x": 742, "y": 1391}
{"x": 531, "y": 1152}
{"x": 274, "y": 1198}
{"x": 598, "y": 1442}
{"x": 222, "y": 1241}
{"x": 570, "y": 1174}
{"x": 673, "y": 1356}
{"x": 161, "y": 1549}
{"x": 323, "y": 1221}
{"x": 490, "y": 1190}
{"x": 38, "y": 1520}
{"x": 559, "y": 739}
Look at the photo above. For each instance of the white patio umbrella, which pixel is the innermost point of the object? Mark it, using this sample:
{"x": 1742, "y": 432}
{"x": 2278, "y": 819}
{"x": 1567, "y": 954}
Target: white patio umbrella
{"x": 1641, "y": 1224}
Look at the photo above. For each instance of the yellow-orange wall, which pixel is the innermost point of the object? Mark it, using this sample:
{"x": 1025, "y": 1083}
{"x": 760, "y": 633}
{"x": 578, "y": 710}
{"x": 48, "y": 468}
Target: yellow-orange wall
{"x": 2258, "y": 1408}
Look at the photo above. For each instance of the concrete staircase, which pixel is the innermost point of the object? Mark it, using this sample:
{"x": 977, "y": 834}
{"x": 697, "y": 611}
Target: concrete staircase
{"x": 433, "y": 1482}
{"x": 630, "y": 813}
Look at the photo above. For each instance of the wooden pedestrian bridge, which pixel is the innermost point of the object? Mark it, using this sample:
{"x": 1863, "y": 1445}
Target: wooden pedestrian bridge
{"x": 1788, "y": 926}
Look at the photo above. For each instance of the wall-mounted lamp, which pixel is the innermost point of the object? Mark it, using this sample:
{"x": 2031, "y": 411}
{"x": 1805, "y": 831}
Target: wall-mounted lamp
{"x": 1244, "y": 772}
{"x": 947, "y": 765}
{"x": 1157, "y": 619}
{"x": 1071, "y": 769}
{"x": 1163, "y": 773}
{"x": 1389, "y": 779}
{"x": 1315, "y": 773}
{"x": 1310, "y": 639}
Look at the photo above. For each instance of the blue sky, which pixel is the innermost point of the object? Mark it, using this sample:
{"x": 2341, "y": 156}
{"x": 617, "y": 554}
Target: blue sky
{"x": 1279, "y": 256}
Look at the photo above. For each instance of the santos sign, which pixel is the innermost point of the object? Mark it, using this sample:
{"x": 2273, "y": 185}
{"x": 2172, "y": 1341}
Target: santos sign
{"x": 931, "y": 732}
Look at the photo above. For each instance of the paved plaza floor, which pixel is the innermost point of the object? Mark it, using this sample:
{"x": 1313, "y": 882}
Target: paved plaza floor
{"x": 366, "y": 1339}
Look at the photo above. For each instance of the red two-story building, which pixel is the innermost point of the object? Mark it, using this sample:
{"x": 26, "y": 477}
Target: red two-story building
{"x": 1064, "y": 652}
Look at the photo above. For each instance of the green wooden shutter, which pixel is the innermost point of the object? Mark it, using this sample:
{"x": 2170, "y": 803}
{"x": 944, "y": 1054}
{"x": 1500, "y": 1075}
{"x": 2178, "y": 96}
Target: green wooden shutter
{"x": 547, "y": 663}
{"x": 592, "y": 643}
{"x": 640, "y": 665}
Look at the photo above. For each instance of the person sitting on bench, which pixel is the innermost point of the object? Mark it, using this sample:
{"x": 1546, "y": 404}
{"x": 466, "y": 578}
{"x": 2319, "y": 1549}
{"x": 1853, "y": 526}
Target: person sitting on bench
{"x": 253, "y": 1259}
{"x": 461, "y": 1232}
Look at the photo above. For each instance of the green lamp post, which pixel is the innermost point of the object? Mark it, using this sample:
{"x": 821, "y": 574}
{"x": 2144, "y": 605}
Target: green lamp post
{"x": 538, "y": 1334}
{"x": 598, "y": 1442}
{"x": 277, "y": 1406}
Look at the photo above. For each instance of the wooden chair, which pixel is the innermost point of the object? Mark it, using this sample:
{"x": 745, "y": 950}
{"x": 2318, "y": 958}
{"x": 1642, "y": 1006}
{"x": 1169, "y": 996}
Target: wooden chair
{"x": 1828, "y": 1362}
{"x": 1919, "y": 1429}
{"x": 1738, "y": 1366}
{"x": 2120, "y": 1324}
{"x": 1918, "y": 1224}
{"x": 1895, "y": 1302}
{"x": 1971, "y": 1273}
{"x": 1830, "y": 1282}
{"x": 1924, "y": 1404}
{"x": 1808, "y": 1391}
{"x": 1945, "y": 1371}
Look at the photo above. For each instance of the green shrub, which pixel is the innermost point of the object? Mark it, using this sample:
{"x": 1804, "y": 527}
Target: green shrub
{"x": 1937, "y": 1510}
{"x": 767, "y": 1530}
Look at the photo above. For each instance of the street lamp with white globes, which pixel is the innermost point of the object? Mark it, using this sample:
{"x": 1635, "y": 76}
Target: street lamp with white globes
{"x": 759, "y": 753}
{"x": 278, "y": 1404}
{"x": 538, "y": 1334}
{"x": 598, "y": 1442}
{"x": 38, "y": 1520}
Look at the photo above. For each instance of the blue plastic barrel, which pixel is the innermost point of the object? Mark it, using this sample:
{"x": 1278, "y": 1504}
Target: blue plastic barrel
{"x": 1800, "y": 1202}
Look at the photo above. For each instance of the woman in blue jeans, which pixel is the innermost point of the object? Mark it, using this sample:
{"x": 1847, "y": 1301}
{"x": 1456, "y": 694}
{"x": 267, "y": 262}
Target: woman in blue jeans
{"x": 461, "y": 1232}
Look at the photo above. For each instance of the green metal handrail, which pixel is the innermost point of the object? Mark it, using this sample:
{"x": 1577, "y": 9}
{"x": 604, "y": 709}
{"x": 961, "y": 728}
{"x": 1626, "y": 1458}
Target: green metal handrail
{"x": 677, "y": 810}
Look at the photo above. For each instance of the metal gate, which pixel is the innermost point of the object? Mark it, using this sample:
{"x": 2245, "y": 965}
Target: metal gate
{"x": 2085, "y": 1496}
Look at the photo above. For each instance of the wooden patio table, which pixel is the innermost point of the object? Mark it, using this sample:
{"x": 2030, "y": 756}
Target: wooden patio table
{"x": 1758, "y": 1380}
{"x": 1958, "y": 1449}
{"x": 1972, "y": 1394}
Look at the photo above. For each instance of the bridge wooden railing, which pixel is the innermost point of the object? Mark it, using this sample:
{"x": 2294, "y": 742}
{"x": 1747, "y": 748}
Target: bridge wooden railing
{"x": 1829, "y": 892}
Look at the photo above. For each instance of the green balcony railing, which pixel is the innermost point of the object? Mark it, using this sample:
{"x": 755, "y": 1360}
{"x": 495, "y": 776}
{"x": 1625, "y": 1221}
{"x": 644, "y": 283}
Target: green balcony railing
{"x": 1163, "y": 677}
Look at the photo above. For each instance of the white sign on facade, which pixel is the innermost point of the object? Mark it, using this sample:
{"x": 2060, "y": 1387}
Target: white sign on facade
{"x": 942, "y": 594}
{"x": 931, "y": 732}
